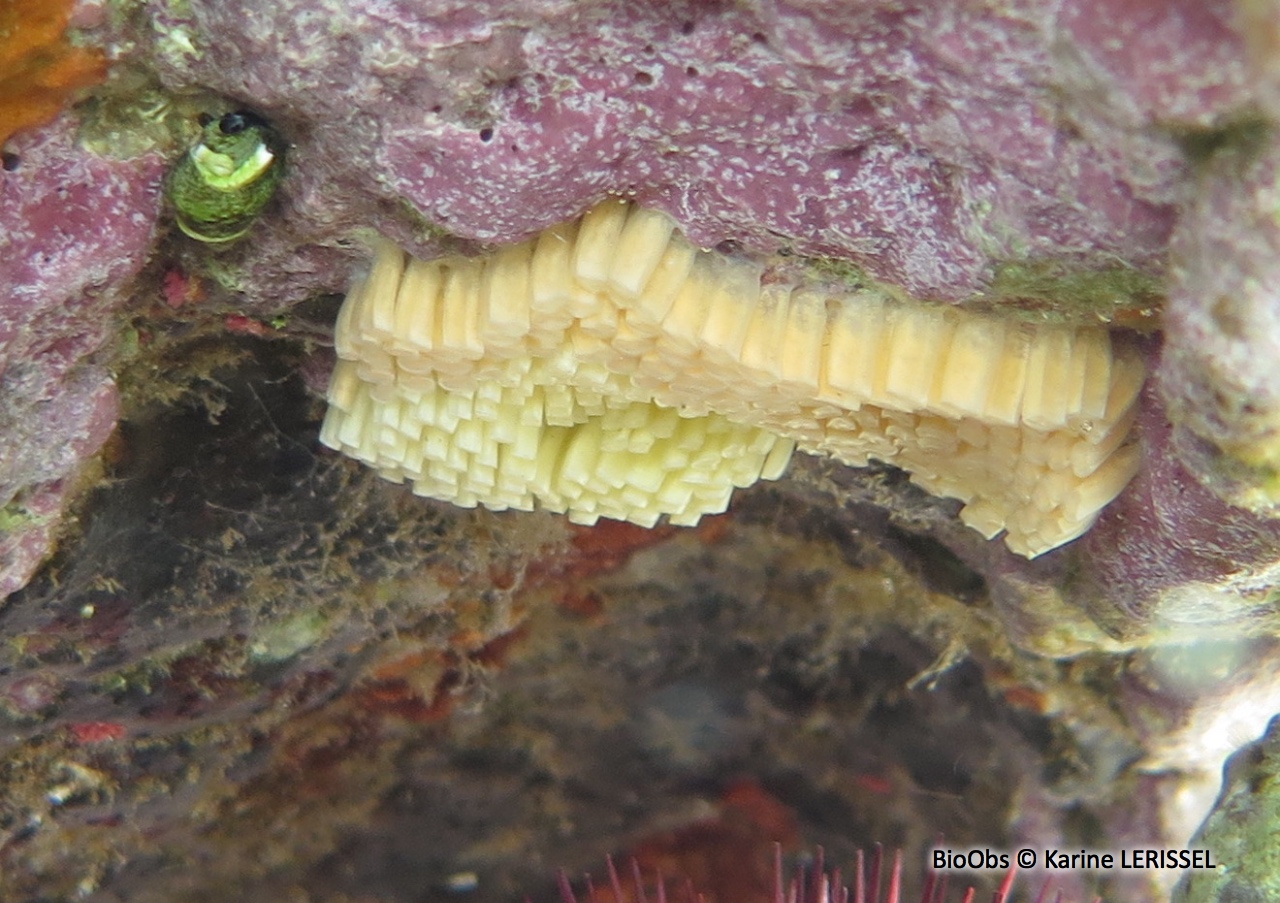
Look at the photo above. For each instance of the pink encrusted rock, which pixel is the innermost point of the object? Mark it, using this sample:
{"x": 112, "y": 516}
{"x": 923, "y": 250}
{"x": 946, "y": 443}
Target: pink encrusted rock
{"x": 1171, "y": 553}
{"x": 1218, "y": 375}
{"x": 937, "y": 144}
{"x": 1174, "y": 62}
{"x": 82, "y": 415}
{"x": 925, "y": 142}
{"x": 77, "y": 227}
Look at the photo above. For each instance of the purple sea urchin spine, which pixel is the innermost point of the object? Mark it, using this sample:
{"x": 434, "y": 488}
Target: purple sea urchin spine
{"x": 814, "y": 884}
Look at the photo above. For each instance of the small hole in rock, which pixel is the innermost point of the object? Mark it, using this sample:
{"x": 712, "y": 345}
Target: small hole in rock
{"x": 692, "y": 72}
{"x": 486, "y": 134}
{"x": 644, "y": 78}
{"x": 10, "y": 161}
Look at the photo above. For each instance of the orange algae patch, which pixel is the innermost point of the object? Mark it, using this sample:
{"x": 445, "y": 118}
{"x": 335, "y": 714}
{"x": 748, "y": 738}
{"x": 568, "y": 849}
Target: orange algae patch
{"x": 39, "y": 68}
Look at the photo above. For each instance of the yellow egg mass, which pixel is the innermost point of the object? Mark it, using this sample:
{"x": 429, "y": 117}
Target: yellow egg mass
{"x": 608, "y": 368}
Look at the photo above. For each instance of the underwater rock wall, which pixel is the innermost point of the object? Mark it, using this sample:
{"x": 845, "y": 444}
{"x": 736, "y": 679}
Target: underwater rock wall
{"x": 1081, "y": 162}
{"x": 77, "y": 228}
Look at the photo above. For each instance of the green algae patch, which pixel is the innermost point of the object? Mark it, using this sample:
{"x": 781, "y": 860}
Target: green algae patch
{"x": 841, "y": 272}
{"x": 1240, "y": 832}
{"x": 282, "y": 640}
{"x": 13, "y": 517}
{"x": 1248, "y": 479}
{"x": 1069, "y": 289}
{"x": 1243, "y": 473}
{"x": 1035, "y": 290}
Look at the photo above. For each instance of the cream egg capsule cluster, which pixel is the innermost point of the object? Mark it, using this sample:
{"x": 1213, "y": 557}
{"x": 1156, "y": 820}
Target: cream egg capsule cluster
{"x": 609, "y": 368}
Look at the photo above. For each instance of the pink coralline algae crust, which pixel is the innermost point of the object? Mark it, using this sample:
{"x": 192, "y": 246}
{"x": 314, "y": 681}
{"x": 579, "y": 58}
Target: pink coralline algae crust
{"x": 82, "y": 416}
{"x": 926, "y": 142}
{"x": 1223, "y": 323}
{"x": 1178, "y": 62}
{"x": 75, "y": 227}
{"x": 1172, "y": 550}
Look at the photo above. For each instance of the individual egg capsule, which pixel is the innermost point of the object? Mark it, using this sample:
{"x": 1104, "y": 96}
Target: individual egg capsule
{"x": 731, "y": 302}
{"x": 507, "y": 293}
{"x": 1095, "y": 491}
{"x": 1094, "y": 346}
{"x": 971, "y": 366}
{"x": 1004, "y": 400}
{"x": 417, "y": 328}
{"x": 921, "y": 337}
{"x": 462, "y": 316}
{"x": 800, "y": 346}
{"x": 1049, "y": 390}
{"x": 641, "y": 246}
{"x": 674, "y": 268}
{"x": 858, "y": 340}
{"x": 1088, "y": 454}
{"x": 682, "y": 325}
{"x": 377, "y": 308}
{"x": 552, "y": 282}
{"x": 597, "y": 242}
{"x": 768, "y": 321}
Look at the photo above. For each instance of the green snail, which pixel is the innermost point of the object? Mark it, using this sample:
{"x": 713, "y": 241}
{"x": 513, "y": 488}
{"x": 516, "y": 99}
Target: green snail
{"x": 220, "y": 186}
